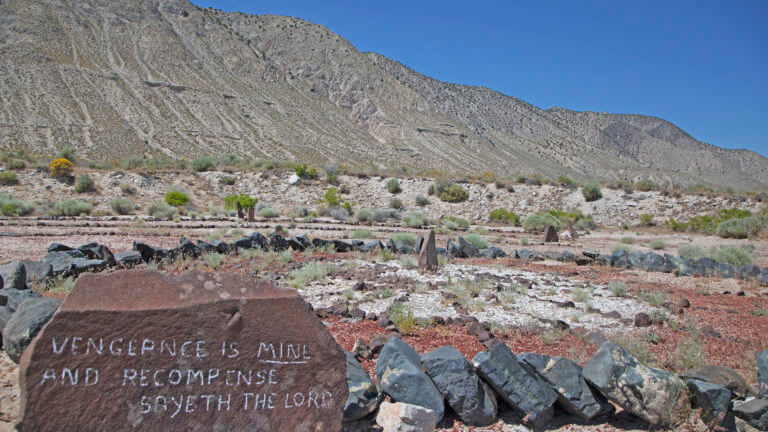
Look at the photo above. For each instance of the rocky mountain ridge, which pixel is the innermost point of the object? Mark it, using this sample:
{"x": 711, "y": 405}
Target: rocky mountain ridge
{"x": 165, "y": 77}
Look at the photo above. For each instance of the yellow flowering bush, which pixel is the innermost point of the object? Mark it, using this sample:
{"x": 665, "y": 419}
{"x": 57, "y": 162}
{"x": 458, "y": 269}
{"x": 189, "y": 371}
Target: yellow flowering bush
{"x": 61, "y": 167}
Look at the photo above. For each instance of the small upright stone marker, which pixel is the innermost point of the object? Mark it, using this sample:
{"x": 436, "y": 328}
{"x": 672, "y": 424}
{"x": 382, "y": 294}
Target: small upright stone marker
{"x": 428, "y": 253}
{"x": 140, "y": 350}
{"x": 240, "y": 214}
{"x": 550, "y": 234}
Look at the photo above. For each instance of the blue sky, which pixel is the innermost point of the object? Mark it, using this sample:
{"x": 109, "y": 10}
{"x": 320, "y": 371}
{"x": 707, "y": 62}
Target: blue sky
{"x": 701, "y": 64}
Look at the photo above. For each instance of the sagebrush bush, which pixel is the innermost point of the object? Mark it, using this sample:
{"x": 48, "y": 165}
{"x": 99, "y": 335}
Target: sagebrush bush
{"x": 364, "y": 215}
{"x": 338, "y": 213}
{"x": 738, "y": 256}
{"x": 16, "y": 164}
{"x": 539, "y": 221}
{"x": 205, "y": 163}
{"x": 565, "y": 181}
{"x": 657, "y": 244}
{"x": 393, "y": 186}
{"x": 476, "y": 240}
{"x": 740, "y": 228}
{"x": 628, "y": 240}
{"x": 645, "y": 185}
{"x": 396, "y": 203}
{"x": 507, "y": 216}
{"x": 84, "y": 184}
{"x": 383, "y": 215}
{"x": 122, "y": 206}
{"x": 246, "y": 201}
{"x": 8, "y": 178}
{"x": 132, "y": 163}
{"x": 176, "y": 198}
{"x": 161, "y": 210}
{"x": 405, "y": 238}
{"x": 691, "y": 251}
{"x": 72, "y": 207}
{"x": 646, "y": 220}
{"x": 267, "y": 212}
{"x": 61, "y": 168}
{"x": 415, "y": 220}
{"x": 422, "y": 201}
{"x": 10, "y": 206}
{"x": 454, "y": 223}
{"x": 67, "y": 152}
{"x": 439, "y": 186}
{"x": 454, "y": 194}
{"x": 591, "y": 191}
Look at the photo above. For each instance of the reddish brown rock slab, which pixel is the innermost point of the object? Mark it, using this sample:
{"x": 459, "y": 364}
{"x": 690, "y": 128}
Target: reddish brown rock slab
{"x": 140, "y": 350}
{"x": 428, "y": 254}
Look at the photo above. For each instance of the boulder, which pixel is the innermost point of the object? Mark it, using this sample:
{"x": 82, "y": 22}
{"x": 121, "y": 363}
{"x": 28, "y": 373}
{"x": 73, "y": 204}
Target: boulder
{"x": 61, "y": 262}
{"x": 277, "y": 243}
{"x": 58, "y": 247}
{"x": 186, "y": 248}
{"x": 749, "y": 272}
{"x": 295, "y": 244}
{"x": 205, "y": 247}
{"x": 304, "y": 241}
{"x": 467, "y": 250}
{"x": 372, "y": 246}
{"x": 13, "y": 275}
{"x": 37, "y": 270}
{"x": 259, "y": 240}
{"x": 754, "y": 412}
{"x": 400, "y": 247}
{"x": 715, "y": 404}
{"x": 565, "y": 377}
{"x": 364, "y": 395}
{"x": 149, "y": 253}
{"x": 620, "y": 259}
{"x": 97, "y": 251}
{"x": 460, "y": 385}
{"x": 583, "y": 260}
{"x": 128, "y": 259}
{"x": 635, "y": 259}
{"x": 687, "y": 267}
{"x": 452, "y": 249}
{"x": 726, "y": 270}
{"x": 319, "y": 243}
{"x": 403, "y": 417}
{"x": 25, "y": 323}
{"x": 550, "y": 235}
{"x": 528, "y": 396}
{"x": 294, "y": 180}
{"x": 428, "y": 253}
{"x": 527, "y": 255}
{"x": 223, "y": 247}
{"x": 400, "y": 375}
{"x": 342, "y": 246}
{"x": 566, "y": 256}
{"x": 492, "y": 252}
{"x": 82, "y": 265}
{"x": 642, "y": 320}
{"x": 603, "y": 260}
{"x": 763, "y": 278}
{"x": 707, "y": 266}
{"x": 653, "y": 262}
{"x": 10, "y": 299}
{"x": 643, "y": 391}
{"x": 244, "y": 243}
{"x": 762, "y": 374}
{"x": 723, "y": 376}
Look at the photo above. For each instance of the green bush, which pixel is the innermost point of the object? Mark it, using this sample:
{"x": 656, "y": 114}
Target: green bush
{"x": 538, "y": 221}
{"x": 333, "y": 199}
{"x": 84, "y": 184}
{"x": 628, "y": 240}
{"x": 205, "y": 163}
{"x": 738, "y": 256}
{"x": 575, "y": 218}
{"x": 122, "y": 206}
{"x": 161, "y": 210}
{"x": 364, "y": 215}
{"x": 565, "y": 181}
{"x": 8, "y": 178}
{"x": 362, "y": 234}
{"x": 591, "y": 191}
{"x": 267, "y": 212}
{"x": 132, "y": 163}
{"x": 303, "y": 172}
{"x": 476, "y": 240}
{"x": 246, "y": 201}
{"x": 395, "y": 203}
{"x": 645, "y": 185}
{"x": 176, "y": 198}
{"x": 67, "y": 152}
{"x": 439, "y": 187}
{"x": 740, "y": 228}
{"x": 454, "y": 194}
{"x": 393, "y": 186}
{"x": 674, "y": 225}
{"x": 620, "y": 246}
{"x": 72, "y": 207}
{"x": 422, "y": 201}
{"x": 646, "y": 220}
{"x": 16, "y": 164}
{"x": 657, "y": 244}
{"x": 507, "y": 216}
{"x": 406, "y": 238}
{"x": 383, "y": 215}
{"x": 10, "y": 206}
{"x": 415, "y": 220}
{"x": 454, "y": 223}
{"x": 691, "y": 251}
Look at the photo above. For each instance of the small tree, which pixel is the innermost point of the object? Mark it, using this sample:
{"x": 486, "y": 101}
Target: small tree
{"x": 61, "y": 168}
{"x": 246, "y": 201}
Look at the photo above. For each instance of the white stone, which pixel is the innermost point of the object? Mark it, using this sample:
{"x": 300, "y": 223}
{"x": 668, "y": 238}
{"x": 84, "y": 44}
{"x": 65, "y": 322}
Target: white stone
{"x": 402, "y": 417}
{"x": 294, "y": 180}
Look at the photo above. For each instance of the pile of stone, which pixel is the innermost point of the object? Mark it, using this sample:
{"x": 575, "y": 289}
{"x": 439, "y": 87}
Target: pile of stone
{"x": 534, "y": 386}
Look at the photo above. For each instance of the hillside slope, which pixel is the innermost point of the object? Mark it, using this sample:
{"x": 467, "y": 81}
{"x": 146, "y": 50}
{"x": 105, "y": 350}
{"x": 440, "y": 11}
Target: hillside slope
{"x": 164, "y": 77}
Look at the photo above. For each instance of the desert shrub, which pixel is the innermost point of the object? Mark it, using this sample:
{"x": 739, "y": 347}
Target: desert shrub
{"x": 72, "y": 207}
{"x": 657, "y": 244}
{"x": 176, "y": 198}
{"x": 362, "y": 234}
{"x": 339, "y": 213}
{"x": 538, "y": 221}
{"x": 406, "y": 238}
{"x": 646, "y": 220}
{"x": 127, "y": 189}
{"x": 422, "y": 201}
{"x": 507, "y": 216}
{"x": 591, "y": 191}
{"x": 628, "y": 240}
{"x": 415, "y": 220}
{"x": 691, "y": 251}
{"x": 8, "y": 178}
{"x": 61, "y": 168}
{"x": 454, "y": 223}
{"x": 383, "y": 215}
{"x": 132, "y": 163}
{"x": 267, "y": 212}
{"x": 401, "y": 315}
{"x": 740, "y": 227}
{"x": 439, "y": 186}
{"x": 395, "y": 203}
{"x": 302, "y": 171}
{"x": 393, "y": 186}
{"x": 313, "y": 271}
{"x": 122, "y": 206}
{"x": 454, "y": 194}
{"x": 84, "y": 184}
{"x": 333, "y": 199}
{"x": 738, "y": 256}
{"x": 674, "y": 225}
{"x": 205, "y": 163}
{"x": 246, "y": 201}
{"x": 476, "y": 240}
{"x": 10, "y": 206}
{"x": 161, "y": 210}
{"x": 621, "y": 246}
{"x": 67, "y": 152}
{"x": 16, "y": 164}
{"x": 565, "y": 181}
{"x": 364, "y": 215}
{"x": 645, "y": 185}
{"x": 213, "y": 260}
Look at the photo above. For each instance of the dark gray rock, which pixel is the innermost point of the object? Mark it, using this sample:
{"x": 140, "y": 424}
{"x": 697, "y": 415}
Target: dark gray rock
{"x": 528, "y": 396}
{"x": 305, "y": 241}
{"x": 97, "y": 251}
{"x": 244, "y": 243}
{"x": 460, "y": 385}
{"x": 25, "y": 323}
{"x": 400, "y": 375}
{"x": 583, "y": 260}
{"x": 725, "y": 270}
{"x": 11, "y": 299}
{"x": 186, "y": 248}
{"x": 371, "y": 247}
{"x": 400, "y": 247}
{"x": 653, "y": 262}
{"x": 13, "y": 275}
{"x": 452, "y": 249}
{"x": 148, "y": 253}
{"x": 467, "y": 250}
{"x": 364, "y": 395}
{"x": 635, "y": 259}
{"x": 565, "y": 377}
{"x": 643, "y": 391}
{"x": 550, "y": 235}
{"x": 670, "y": 263}
{"x": 763, "y": 278}
{"x": 754, "y": 412}
{"x": 603, "y": 260}
{"x": 223, "y": 247}
{"x": 321, "y": 243}
{"x": 687, "y": 267}
{"x": 37, "y": 270}
{"x": 707, "y": 266}
{"x": 342, "y": 246}
{"x": 82, "y": 265}
{"x": 492, "y": 252}
{"x": 749, "y": 272}
{"x": 61, "y": 262}
{"x": 527, "y": 255}
{"x": 204, "y": 247}
{"x": 715, "y": 404}
{"x": 620, "y": 259}
{"x": 58, "y": 247}
{"x": 566, "y": 256}
{"x": 591, "y": 254}
{"x": 723, "y": 376}
{"x": 762, "y": 374}
{"x": 277, "y": 242}
{"x": 128, "y": 259}
{"x": 295, "y": 244}
{"x": 259, "y": 240}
